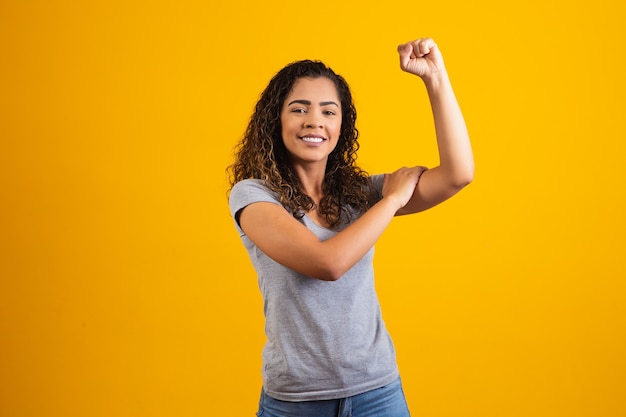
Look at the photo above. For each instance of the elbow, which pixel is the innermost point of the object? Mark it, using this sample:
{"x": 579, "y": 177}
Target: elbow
{"x": 331, "y": 270}
{"x": 328, "y": 277}
{"x": 463, "y": 178}
{"x": 456, "y": 176}
{"x": 332, "y": 262}
{"x": 329, "y": 274}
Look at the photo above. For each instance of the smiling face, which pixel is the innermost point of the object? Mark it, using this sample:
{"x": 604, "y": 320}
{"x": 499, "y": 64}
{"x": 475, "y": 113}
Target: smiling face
{"x": 311, "y": 120}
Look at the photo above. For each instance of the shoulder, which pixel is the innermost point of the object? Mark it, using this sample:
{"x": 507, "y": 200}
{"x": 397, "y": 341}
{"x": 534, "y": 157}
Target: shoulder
{"x": 377, "y": 182}
{"x": 250, "y": 191}
{"x": 250, "y": 185}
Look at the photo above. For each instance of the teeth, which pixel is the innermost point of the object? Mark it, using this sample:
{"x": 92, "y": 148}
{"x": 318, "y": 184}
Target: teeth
{"x": 313, "y": 140}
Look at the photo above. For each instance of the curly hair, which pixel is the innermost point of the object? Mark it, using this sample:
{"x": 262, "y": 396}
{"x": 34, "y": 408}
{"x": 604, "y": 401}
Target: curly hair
{"x": 261, "y": 153}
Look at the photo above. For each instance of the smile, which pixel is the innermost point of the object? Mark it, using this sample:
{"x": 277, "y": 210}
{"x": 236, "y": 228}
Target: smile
{"x": 312, "y": 139}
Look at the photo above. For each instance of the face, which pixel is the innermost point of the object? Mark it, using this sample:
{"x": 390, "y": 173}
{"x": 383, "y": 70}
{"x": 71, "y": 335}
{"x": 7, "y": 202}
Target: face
{"x": 311, "y": 120}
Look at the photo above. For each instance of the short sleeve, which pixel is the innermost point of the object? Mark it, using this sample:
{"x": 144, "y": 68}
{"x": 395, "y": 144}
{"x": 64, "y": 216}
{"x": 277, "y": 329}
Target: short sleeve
{"x": 377, "y": 183}
{"x": 247, "y": 192}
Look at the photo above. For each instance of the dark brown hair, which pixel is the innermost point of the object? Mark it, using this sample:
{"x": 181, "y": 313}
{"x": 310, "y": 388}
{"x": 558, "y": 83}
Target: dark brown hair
{"x": 261, "y": 152}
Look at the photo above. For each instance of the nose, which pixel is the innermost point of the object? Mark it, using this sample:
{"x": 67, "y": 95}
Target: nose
{"x": 312, "y": 120}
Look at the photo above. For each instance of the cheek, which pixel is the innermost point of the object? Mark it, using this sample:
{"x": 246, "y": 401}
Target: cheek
{"x": 287, "y": 125}
{"x": 338, "y": 129}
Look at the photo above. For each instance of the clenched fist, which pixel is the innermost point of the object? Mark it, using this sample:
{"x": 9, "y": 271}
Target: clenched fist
{"x": 421, "y": 57}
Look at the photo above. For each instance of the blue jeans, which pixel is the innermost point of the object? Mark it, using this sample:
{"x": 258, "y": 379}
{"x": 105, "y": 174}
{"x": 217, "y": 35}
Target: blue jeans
{"x": 387, "y": 401}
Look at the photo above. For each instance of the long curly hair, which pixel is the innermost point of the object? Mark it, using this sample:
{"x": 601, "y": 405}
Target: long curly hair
{"x": 261, "y": 153}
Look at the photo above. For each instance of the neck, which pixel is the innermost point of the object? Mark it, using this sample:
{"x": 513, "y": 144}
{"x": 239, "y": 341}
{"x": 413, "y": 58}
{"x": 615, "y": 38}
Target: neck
{"x": 312, "y": 180}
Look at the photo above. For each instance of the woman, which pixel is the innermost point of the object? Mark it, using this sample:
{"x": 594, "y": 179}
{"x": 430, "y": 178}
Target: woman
{"x": 309, "y": 219}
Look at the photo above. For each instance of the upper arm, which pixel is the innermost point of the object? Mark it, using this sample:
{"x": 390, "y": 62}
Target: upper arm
{"x": 433, "y": 188}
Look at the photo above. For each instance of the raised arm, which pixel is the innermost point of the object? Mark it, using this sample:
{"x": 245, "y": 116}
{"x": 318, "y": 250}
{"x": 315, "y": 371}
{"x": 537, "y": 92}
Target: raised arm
{"x": 456, "y": 162}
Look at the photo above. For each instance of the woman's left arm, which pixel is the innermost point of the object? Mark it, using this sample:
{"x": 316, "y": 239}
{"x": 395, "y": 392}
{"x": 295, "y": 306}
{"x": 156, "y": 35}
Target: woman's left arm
{"x": 456, "y": 161}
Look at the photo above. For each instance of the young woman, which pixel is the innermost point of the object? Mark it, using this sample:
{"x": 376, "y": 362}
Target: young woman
{"x": 309, "y": 218}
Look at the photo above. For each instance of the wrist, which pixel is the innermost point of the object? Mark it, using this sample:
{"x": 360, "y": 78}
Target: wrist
{"x": 436, "y": 80}
{"x": 391, "y": 203}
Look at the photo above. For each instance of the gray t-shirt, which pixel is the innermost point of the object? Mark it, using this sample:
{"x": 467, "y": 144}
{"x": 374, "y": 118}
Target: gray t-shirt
{"x": 325, "y": 340}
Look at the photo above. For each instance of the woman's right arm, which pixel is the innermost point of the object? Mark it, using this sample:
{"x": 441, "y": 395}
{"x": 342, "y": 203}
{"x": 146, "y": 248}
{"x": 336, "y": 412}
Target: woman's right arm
{"x": 281, "y": 237}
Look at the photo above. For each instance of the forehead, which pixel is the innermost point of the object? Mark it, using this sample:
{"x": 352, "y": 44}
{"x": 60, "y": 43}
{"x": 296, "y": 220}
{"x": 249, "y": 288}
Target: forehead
{"x": 314, "y": 89}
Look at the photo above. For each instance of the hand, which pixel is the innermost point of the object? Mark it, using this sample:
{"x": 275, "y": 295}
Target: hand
{"x": 421, "y": 57}
{"x": 401, "y": 184}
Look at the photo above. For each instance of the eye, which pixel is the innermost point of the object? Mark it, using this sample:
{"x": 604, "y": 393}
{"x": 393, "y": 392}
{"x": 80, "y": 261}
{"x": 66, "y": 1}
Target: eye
{"x": 298, "y": 110}
{"x": 329, "y": 113}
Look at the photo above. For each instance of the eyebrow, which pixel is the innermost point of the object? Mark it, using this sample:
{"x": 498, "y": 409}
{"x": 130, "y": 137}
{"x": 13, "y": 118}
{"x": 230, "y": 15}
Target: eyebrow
{"x": 308, "y": 103}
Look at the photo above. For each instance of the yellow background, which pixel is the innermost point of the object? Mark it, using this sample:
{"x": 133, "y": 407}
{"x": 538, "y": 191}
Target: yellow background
{"x": 124, "y": 288}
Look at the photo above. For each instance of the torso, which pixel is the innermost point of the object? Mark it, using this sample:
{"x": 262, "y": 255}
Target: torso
{"x": 317, "y": 218}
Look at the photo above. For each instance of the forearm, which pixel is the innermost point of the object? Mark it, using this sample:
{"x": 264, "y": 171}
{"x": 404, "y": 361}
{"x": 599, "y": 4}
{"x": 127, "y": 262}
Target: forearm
{"x": 456, "y": 162}
{"x": 455, "y": 152}
{"x": 341, "y": 252}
